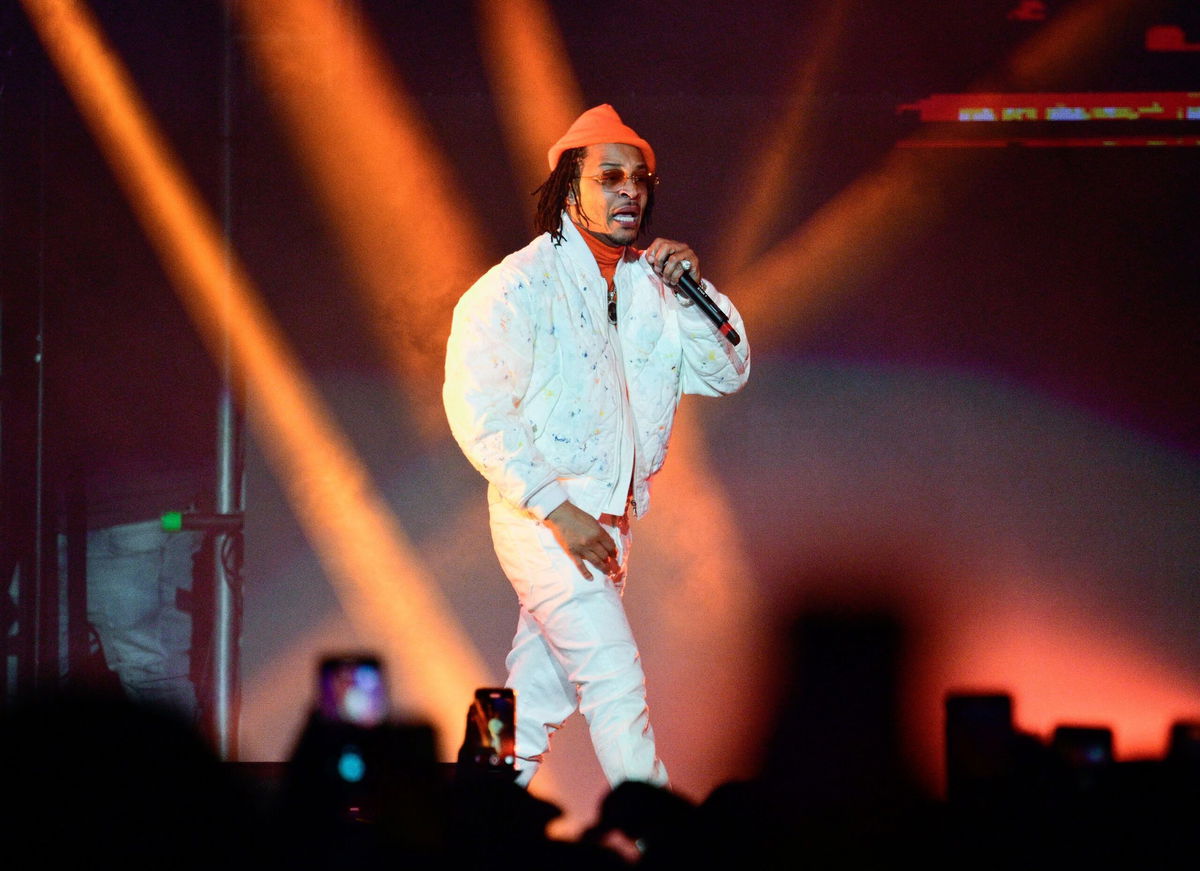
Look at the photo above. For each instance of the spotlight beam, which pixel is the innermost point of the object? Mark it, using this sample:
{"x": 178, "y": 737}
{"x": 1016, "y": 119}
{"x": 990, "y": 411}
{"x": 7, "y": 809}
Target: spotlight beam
{"x": 692, "y": 539}
{"x": 375, "y": 571}
{"x": 862, "y": 230}
{"x": 781, "y": 164}
{"x": 384, "y": 183}
{"x": 534, "y": 84}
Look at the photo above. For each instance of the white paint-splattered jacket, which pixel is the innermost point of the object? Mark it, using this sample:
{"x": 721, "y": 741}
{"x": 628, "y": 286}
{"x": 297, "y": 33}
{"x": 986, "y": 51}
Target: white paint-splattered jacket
{"x": 533, "y": 378}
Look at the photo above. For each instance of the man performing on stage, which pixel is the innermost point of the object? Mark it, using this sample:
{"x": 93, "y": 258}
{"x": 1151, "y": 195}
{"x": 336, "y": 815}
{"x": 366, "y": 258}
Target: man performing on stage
{"x": 564, "y": 368}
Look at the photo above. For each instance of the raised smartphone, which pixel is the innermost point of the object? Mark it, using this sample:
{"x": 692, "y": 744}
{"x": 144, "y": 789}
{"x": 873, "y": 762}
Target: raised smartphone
{"x": 352, "y": 689}
{"x": 493, "y": 718}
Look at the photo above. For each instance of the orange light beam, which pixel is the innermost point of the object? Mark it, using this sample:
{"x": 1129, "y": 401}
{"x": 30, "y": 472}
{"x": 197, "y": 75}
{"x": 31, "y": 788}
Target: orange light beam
{"x": 692, "y": 536}
{"x": 782, "y": 160}
{"x": 863, "y": 229}
{"x": 536, "y": 91}
{"x": 375, "y": 571}
{"x": 385, "y": 185}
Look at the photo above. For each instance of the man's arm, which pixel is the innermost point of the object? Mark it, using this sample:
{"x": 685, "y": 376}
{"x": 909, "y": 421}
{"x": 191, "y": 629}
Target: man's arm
{"x": 712, "y": 366}
{"x": 489, "y": 360}
{"x": 583, "y": 538}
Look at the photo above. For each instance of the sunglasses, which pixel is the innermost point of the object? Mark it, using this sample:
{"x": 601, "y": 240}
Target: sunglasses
{"x": 614, "y": 179}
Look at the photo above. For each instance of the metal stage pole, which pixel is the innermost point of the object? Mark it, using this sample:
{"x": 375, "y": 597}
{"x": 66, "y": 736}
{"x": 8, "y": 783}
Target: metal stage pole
{"x": 227, "y": 544}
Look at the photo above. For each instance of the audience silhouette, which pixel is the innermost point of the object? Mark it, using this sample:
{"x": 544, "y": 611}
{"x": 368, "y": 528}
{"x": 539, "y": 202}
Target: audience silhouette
{"x": 93, "y": 777}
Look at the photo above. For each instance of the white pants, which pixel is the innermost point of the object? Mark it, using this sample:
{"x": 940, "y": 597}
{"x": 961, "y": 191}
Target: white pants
{"x": 135, "y": 572}
{"x": 573, "y": 648}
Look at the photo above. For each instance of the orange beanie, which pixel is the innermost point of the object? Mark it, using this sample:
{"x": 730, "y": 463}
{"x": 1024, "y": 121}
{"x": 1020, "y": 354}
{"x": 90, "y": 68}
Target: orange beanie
{"x": 596, "y": 126}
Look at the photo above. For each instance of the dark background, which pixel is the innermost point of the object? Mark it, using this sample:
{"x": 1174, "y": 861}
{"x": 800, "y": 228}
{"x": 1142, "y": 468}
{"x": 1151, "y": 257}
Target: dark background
{"x": 995, "y": 433}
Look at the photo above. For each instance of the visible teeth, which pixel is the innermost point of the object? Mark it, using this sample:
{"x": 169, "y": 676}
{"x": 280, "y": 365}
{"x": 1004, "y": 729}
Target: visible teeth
{"x": 626, "y": 219}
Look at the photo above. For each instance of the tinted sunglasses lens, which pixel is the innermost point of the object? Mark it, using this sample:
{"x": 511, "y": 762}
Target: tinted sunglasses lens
{"x": 612, "y": 179}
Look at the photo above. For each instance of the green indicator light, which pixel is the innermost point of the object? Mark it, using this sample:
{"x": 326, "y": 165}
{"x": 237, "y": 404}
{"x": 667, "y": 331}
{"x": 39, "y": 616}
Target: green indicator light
{"x": 172, "y": 521}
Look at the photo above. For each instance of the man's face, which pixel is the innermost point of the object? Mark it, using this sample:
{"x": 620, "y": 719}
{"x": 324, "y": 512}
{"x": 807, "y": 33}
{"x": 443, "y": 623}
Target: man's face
{"x": 612, "y": 216}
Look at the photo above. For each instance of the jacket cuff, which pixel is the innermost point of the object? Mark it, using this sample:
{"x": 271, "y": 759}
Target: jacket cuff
{"x": 693, "y": 317}
{"x": 546, "y": 499}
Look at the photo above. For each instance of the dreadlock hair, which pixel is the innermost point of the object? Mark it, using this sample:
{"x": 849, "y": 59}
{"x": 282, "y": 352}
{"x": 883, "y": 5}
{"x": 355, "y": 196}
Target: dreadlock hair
{"x": 563, "y": 181}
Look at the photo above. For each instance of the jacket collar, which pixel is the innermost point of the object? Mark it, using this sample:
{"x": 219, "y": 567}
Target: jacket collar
{"x": 577, "y": 251}
{"x": 587, "y": 272}
{"x": 585, "y": 269}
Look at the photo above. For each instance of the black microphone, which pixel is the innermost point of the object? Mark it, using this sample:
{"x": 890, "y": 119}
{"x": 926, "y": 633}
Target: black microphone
{"x": 702, "y": 299}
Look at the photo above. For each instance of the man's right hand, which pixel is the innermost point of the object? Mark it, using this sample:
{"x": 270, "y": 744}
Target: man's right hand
{"x": 583, "y": 538}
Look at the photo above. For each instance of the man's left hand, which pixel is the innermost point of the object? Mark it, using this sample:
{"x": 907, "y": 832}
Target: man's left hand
{"x": 666, "y": 257}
